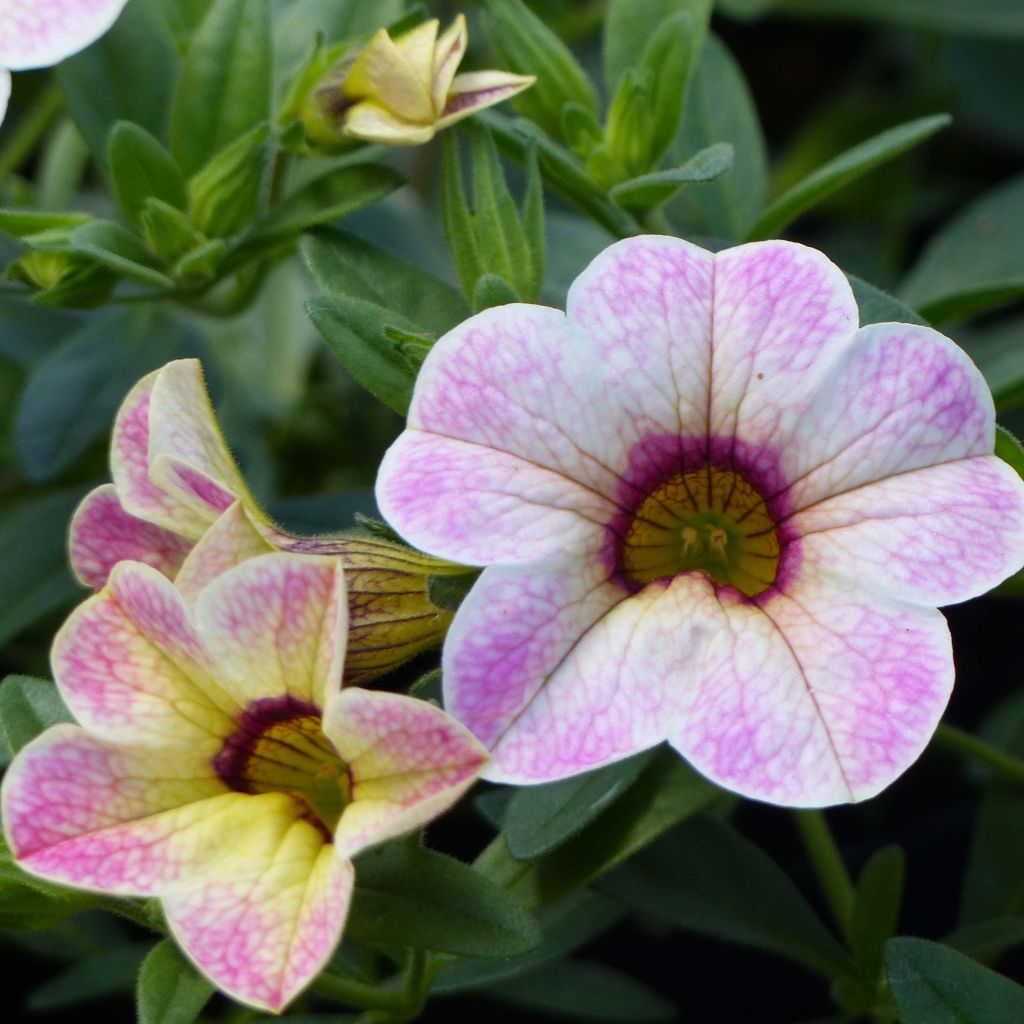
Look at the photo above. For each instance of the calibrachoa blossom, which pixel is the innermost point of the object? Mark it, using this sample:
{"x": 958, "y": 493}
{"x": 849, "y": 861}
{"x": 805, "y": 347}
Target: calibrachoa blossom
{"x": 38, "y": 33}
{"x": 718, "y": 514}
{"x": 174, "y": 479}
{"x": 400, "y": 92}
{"x": 219, "y": 766}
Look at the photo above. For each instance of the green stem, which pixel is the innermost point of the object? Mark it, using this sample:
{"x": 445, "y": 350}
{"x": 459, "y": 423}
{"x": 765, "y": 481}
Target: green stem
{"x": 30, "y": 129}
{"x": 358, "y": 994}
{"x": 952, "y": 738}
{"x": 130, "y": 910}
{"x": 828, "y": 866}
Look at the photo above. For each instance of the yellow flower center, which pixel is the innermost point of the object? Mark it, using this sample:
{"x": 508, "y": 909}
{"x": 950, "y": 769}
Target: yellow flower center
{"x": 280, "y": 747}
{"x": 707, "y": 520}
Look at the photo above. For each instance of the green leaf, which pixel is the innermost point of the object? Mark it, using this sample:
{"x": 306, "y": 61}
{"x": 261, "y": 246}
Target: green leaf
{"x": 225, "y": 193}
{"x": 34, "y": 577}
{"x": 720, "y": 108}
{"x": 584, "y": 990}
{"x": 877, "y": 307}
{"x": 356, "y": 331}
{"x": 492, "y": 290}
{"x": 448, "y": 592}
{"x": 651, "y": 190}
{"x": 140, "y": 167}
{"x": 567, "y": 926}
{"x": 224, "y": 87}
{"x": 667, "y": 792}
{"x": 541, "y": 818}
{"x": 987, "y": 940}
{"x": 1009, "y": 449}
{"x": 328, "y": 198}
{"x": 935, "y": 985}
{"x": 975, "y": 261}
{"x": 117, "y": 249}
{"x": 127, "y": 75}
{"x": 96, "y": 977}
{"x": 410, "y": 897}
{"x": 72, "y": 395}
{"x": 27, "y": 707}
{"x": 345, "y": 264}
{"x": 843, "y": 169}
{"x": 706, "y": 877}
{"x": 526, "y": 45}
{"x": 170, "y": 990}
{"x": 997, "y": 18}
{"x": 25, "y": 223}
{"x": 876, "y": 909}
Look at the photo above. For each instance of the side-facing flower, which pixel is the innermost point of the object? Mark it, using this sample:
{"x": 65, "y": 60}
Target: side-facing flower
{"x": 174, "y": 479}
{"x": 400, "y": 92}
{"x": 219, "y": 766}
{"x": 38, "y": 33}
{"x": 715, "y": 512}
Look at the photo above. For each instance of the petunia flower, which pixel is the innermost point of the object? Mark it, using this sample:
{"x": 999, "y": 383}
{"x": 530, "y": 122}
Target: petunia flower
{"x": 714, "y": 512}
{"x": 174, "y": 479}
{"x": 219, "y": 766}
{"x": 400, "y": 92}
{"x": 38, "y": 33}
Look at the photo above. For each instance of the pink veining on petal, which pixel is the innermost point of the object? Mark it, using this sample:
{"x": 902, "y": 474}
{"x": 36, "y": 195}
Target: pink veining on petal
{"x": 102, "y": 534}
{"x": 38, "y": 33}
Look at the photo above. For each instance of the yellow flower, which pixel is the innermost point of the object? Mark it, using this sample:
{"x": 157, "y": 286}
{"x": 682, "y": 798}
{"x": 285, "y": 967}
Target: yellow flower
{"x": 399, "y": 92}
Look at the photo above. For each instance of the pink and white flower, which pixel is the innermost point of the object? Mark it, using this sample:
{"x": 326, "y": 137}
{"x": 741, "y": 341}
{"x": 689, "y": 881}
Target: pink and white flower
{"x": 714, "y": 511}
{"x": 219, "y": 766}
{"x": 38, "y": 33}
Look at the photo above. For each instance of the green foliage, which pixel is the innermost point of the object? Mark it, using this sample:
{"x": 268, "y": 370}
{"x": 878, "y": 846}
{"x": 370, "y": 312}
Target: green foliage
{"x": 935, "y": 985}
{"x": 876, "y": 909}
{"x": 169, "y": 990}
{"x": 141, "y": 168}
{"x": 27, "y": 707}
{"x": 224, "y": 194}
{"x": 649, "y": 190}
{"x": 408, "y": 896}
{"x": 999, "y": 18}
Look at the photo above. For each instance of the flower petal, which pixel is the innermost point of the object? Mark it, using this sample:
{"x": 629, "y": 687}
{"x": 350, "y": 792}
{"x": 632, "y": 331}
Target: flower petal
{"x": 38, "y": 33}
{"x": 5, "y": 92}
{"x": 188, "y": 455}
{"x": 383, "y": 74}
{"x": 932, "y": 536}
{"x": 448, "y": 54}
{"x": 263, "y": 922}
{"x": 371, "y": 122}
{"x": 475, "y": 90}
{"x": 130, "y": 467}
{"x": 102, "y": 534}
{"x": 901, "y": 397}
{"x": 276, "y": 625}
{"x": 822, "y": 695}
{"x": 117, "y": 819}
{"x": 131, "y": 668}
{"x": 407, "y": 759}
{"x": 783, "y": 314}
{"x": 476, "y": 505}
{"x": 230, "y": 541}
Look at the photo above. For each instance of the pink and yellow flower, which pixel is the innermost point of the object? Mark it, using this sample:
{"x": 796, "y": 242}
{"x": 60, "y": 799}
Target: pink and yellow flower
{"x": 714, "y": 511}
{"x": 38, "y": 33}
{"x": 402, "y": 91}
{"x": 219, "y": 766}
{"x": 175, "y": 481}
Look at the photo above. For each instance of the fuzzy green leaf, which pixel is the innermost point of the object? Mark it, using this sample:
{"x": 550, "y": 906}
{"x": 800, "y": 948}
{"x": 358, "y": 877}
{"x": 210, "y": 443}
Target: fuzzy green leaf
{"x": 651, "y": 190}
{"x": 140, "y": 167}
{"x": 876, "y": 909}
{"x": 117, "y": 249}
{"x": 170, "y": 991}
{"x": 27, "y": 707}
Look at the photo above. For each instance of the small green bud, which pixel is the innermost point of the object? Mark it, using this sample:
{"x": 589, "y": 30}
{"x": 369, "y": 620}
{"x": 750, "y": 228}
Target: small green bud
{"x": 168, "y": 232}
{"x": 61, "y": 278}
{"x": 225, "y": 194}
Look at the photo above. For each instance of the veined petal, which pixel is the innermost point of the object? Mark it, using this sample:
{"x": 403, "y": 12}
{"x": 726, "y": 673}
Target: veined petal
{"x": 131, "y": 668}
{"x": 407, "y": 759}
{"x": 417, "y": 49}
{"x": 470, "y": 503}
{"x": 263, "y": 922}
{"x": 448, "y": 54}
{"x": 130, "y": 467}
{"x": 5, "y": 92}
{"x": 276, "y": 625}
{"x": 230, "y": 541}
{"x": 116, "y": 819}
{"x": 901, "y": 397}
{"x": 932, "y": 536}
{"x": 102, "y": 534}
{"x": 188, "y": 456}
{"x": 823, "y": 695}
{"x": 617, "y": 690}
{"x": 383, "y": 74}
{"x": 38, "y": 33}
{"x": 475, "y": 90}
{"x": 783, "y": 314}
{"x": 372, "y": 122}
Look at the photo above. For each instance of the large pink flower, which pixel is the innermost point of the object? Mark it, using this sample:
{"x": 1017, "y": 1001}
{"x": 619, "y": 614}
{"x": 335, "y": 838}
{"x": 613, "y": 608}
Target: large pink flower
{"x": 219, "y": 766}
{"x": 714, "y": 512}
